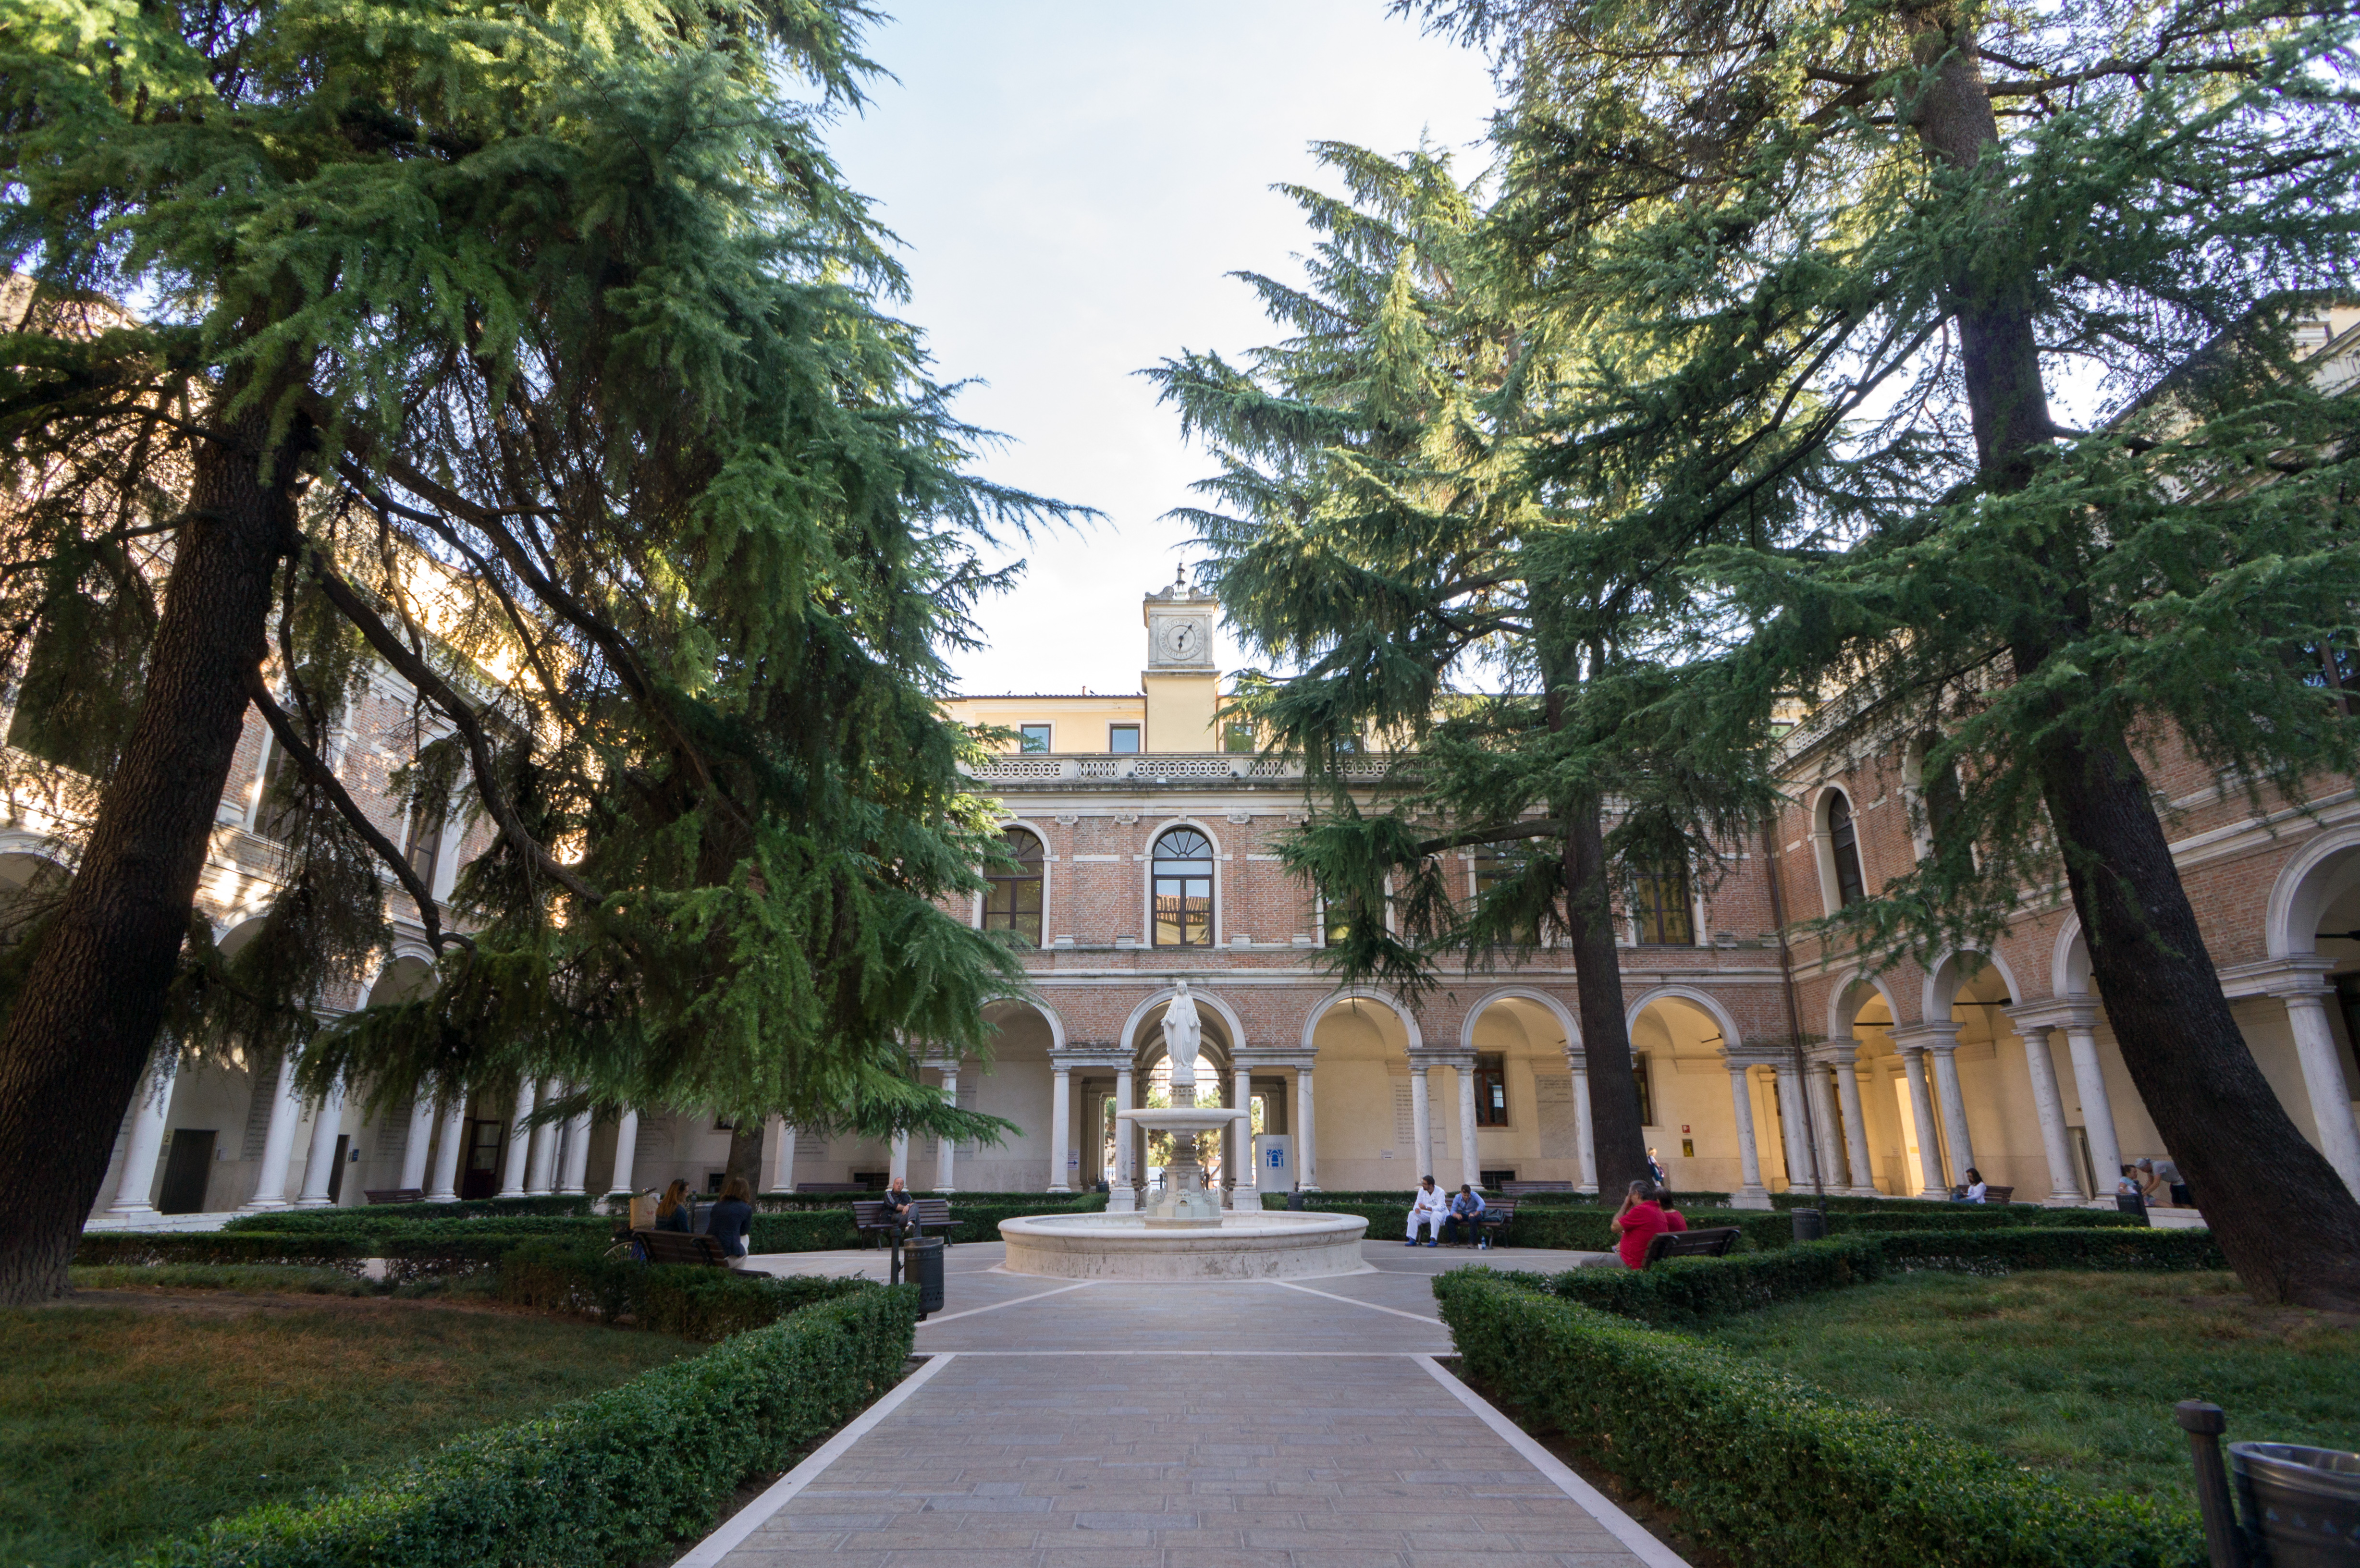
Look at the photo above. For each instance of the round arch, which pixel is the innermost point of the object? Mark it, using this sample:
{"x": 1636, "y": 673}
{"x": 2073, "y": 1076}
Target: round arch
{"x": 1129, "y": 1037}
{"x": 1048, "y": 883}
{"x": 1556, "y": 1010}
{"x": 1844, "y": 1003}
{"x": 410, "y": 960}
{"x": 1384, "y": 999}
{"x": 1704, "y": 1001}
{"x": 2069, "y": 961}
{"x": 2313, "y": 878}
{"x": 1048, "y": 1015}
{"x": 1945, "y": 975}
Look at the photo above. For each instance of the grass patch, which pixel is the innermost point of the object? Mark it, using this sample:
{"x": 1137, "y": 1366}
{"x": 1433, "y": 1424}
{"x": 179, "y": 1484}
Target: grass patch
{"x": 249, "y": 1279}
{"x": 2073, "y": 1373}
{"x": 119, "y": 1427}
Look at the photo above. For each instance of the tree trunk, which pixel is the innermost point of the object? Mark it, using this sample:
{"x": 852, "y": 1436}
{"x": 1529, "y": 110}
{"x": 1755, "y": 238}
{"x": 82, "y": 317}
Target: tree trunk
{"x": 2287, "y": 1223}
{"x": 1615, "y": 1136}
{"x": 86, "y": 1017}
{"x": 746, "y": 1152}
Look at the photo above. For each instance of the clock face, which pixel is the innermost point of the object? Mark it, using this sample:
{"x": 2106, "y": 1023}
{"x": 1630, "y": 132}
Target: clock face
{"x": 1183, "y": 640}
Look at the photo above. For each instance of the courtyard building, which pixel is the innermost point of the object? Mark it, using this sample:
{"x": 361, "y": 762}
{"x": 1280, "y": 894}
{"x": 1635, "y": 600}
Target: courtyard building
{"x": 1143, "y": 829}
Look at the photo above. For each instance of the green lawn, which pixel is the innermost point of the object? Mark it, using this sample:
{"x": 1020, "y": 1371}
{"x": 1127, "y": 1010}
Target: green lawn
{"x": 120, "y": 1426}
{"x": 2074, "y": 1373}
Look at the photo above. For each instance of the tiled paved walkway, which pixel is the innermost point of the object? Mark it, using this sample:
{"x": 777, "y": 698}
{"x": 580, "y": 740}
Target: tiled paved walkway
{"x": 1194, "y": 1426}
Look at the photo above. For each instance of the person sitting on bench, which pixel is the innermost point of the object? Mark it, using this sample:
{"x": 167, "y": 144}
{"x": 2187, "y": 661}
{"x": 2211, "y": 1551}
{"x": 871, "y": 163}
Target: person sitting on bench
{"x": 1465, "y": 1215}
{"x": 901, "y": 1212}
{"x": 1641, "y": 1219}
{"x": 676, "y": 1210}
{"x": 731, "y": 1221}
{"x": 1425, "y": 1209}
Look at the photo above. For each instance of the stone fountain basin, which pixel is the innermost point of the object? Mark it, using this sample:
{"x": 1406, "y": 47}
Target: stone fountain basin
{"x": 1256, "y": 1244}
{"x": 1200, "y": 1118}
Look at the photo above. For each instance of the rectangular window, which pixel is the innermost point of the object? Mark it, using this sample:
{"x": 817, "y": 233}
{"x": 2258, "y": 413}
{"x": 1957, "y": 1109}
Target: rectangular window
{"x": 1490, "y": 1091}
{"x": 1334, "y": 925}
{"x": 1238, "y": 735}
{"x": 424, "y": 850}
{"x": 1036, "y": 738}
{"x": 1121, "y": 739}
{"x": 1663, "y": 909}
{"x": 1644, "y": 1081}
{"x": 274, "y": 813}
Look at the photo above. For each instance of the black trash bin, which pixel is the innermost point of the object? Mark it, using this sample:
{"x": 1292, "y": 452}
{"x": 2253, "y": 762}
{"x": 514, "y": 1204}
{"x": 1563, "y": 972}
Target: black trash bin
{"x": 2302, "y": 1503}
{"x": 2132, "y": 1203}
{"x": 926, "y": 1271}
{"x": 1810, "y": 1225}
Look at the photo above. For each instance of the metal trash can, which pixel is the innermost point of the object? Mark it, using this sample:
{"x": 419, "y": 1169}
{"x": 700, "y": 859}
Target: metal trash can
{"x": 2132, "y": 1203}
{"x": 2301, "y": 1506}
{"x": 1810, "y": 1225}
{"x": 926, "y": 1273}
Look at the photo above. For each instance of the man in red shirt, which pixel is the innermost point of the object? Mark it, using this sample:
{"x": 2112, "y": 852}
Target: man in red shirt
{"x": 1642, "y": 1218}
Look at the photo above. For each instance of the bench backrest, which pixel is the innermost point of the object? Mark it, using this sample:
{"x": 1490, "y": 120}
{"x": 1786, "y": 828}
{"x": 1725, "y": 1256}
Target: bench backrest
{"x": 831, "y": 1186}
{"x": 677, "y": 1247}
{"x": 1714, "y": 1243}
{"x": 1517, "y": 1189}
{"x": 872, "y": 1215}
{"x": 394, "y": 1194}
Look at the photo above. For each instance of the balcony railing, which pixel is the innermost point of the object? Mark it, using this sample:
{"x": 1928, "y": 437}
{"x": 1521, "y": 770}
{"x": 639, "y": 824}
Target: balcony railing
{"x": 1163, "y": 768}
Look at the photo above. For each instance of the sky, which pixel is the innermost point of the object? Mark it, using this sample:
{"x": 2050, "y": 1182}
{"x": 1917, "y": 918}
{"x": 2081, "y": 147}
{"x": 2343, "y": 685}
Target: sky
{"x": 1073, "y": 182}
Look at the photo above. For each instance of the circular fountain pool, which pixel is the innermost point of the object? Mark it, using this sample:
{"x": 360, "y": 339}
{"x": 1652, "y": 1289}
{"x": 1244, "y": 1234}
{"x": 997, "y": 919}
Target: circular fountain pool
{"x": 1271, "y": 1244}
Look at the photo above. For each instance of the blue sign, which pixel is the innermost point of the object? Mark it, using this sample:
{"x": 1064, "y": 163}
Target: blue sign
{"x": 1278, "y": 1158}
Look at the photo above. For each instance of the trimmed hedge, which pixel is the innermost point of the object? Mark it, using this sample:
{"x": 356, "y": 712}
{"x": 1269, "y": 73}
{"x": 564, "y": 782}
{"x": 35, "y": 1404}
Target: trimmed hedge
{"x": 1769, "y": 1469}
{"x": 471, "y": 1209}
{"x": 694, "y": 1302}
{"x": 1025, "y": 1203}
{"x": 1354, "y": 1201}
{"x": 614, "y": 1478}
{"x": 1684, "y": 1292}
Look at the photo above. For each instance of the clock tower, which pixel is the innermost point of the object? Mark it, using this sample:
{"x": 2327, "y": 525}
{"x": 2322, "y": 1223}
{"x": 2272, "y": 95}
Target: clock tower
{"x": 1181, "y": 680}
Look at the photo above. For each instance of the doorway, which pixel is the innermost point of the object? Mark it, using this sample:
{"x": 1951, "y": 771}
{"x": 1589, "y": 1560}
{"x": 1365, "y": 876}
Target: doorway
{"x": 481, "y": 1178}
{"x": 187, "y": 1167}
{"x": 336, "y": 1172}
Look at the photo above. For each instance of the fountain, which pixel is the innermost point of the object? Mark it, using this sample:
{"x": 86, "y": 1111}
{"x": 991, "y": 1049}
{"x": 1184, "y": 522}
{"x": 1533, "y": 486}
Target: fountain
{"x": 1182, "y": 1233}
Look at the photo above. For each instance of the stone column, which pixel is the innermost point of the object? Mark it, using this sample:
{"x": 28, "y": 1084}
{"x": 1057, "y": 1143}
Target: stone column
{"x": 519, "y": 1142}
{"x": 445, "y": 1188}
{"x": 135, "y": 1188}
{"x": 1791, "y": 1131}
{"x": 2323, "y": 1081}
{"x": 897, "y": 1158}
{"x": 1420, "y": 1120}
{"x": 1307, "y": 1173}
{"x": 1584, "y": 1137}
{"x": 1470, "y": 1161}
{"x": 2064, "y": 1177}
{"x": 1943, "y": 1051}
{"x": 1826, "y": 1130}
{"x": 1921, "y": 1109}
{"x": 1061, "y": 1115}
{"x": 1122, "y": 1196}
{"x": 1246, "y": 1192}
{"x": 540, "y": 1169}
{"x": 416, "y": 1142}
{"x": 322, "y": 1161}
{"x": 627, "y": 1155}
{"x": 1751, "y": 1194}
{"x": 573, "y": 1173}
{"x": 279, "y": 1143}
{"x": 945, "y": 1148}
{"x": 778, "y": 1155}
{"x": 2097, "y": 1111}
{"x": 1855, "y": 1125}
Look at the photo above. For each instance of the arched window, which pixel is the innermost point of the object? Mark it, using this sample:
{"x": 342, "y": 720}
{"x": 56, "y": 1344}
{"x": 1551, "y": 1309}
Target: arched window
{"x": 1012, "y": 901}
{"x": 1184, "y": 889}
{"x": 1937, "y": 791}
{"x": 1851, "y": 886}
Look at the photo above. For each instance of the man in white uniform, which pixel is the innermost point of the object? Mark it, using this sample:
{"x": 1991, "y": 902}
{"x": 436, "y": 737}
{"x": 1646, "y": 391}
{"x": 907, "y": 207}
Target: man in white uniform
{"x": 1427, "y": 1209}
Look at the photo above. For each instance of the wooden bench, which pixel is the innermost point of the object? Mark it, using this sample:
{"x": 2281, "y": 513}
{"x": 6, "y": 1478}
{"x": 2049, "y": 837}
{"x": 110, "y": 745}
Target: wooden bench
{"x": 679, "y": 1246}
{"x": 831, "y": 1187}
{"x": 1992, "y": 1194}
{"x": 1714, "y": 1243}
{"x": 876, "y": 1219}
{"x": 394, "y": 1194}
{"x": 1496, "y": 1213}
{"x": 1520, "y": 1189}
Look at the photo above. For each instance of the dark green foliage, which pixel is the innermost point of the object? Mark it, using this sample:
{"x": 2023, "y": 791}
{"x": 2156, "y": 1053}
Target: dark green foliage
{"x": 1768, "y": 1469}
{"x": 1684, "y": 1291}
{"x": 422, "y": 1219}
{"x": 608, "y": 1480}
{"x": 692, "y": 1302}
{"x": 375, "y": 1214}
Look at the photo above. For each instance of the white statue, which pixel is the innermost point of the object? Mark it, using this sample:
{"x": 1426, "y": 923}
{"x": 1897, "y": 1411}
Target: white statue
{"x": 1182, "y": 1034}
